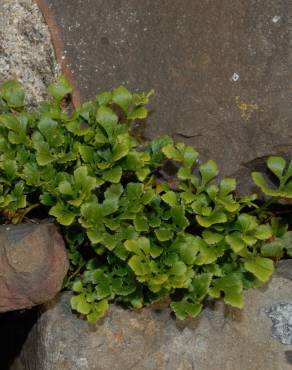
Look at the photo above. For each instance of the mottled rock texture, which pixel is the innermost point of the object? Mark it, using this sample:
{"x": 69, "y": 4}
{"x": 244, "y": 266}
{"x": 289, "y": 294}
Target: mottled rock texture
{"x": 221, "y": 338}
{"x": 33, "y": 264}
{"x": 26, "y": 52}
{"x": 221, "y": 69}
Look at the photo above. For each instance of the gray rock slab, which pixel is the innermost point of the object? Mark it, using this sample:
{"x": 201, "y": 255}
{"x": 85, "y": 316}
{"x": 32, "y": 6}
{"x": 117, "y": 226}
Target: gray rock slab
{"x": 26, "y": 52}
{"x": 33, "y": 264}
{"x": 221, "y": 69}
{"x": 222, "y": 338}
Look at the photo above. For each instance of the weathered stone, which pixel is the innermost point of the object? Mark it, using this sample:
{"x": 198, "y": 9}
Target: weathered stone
{"x": 222, "y": 338}
{"x": 33, "y": 264}
{"x": 26, "y": 52}
{"x": 220, "y": 69}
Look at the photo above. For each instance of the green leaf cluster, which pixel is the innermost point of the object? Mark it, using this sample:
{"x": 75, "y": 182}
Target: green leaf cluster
{"x": 283, "y": 176}
{"x": 132, "y": 235}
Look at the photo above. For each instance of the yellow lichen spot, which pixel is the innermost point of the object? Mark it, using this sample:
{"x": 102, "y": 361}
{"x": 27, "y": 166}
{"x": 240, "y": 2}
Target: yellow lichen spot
{"x": 246, "y": 110}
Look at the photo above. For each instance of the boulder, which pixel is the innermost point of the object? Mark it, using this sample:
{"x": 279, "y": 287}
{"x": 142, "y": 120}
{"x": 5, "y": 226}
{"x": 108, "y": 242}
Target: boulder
{"x": 220, "y": 69}
{"x": 33, "y": 264}
{"x": 26, "y": 51}
{"x": 259, "y": 337}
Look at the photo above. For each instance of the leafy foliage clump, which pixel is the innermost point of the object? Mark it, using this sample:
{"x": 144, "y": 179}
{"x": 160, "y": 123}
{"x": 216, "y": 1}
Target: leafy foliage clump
{"x": 134, "y": 234}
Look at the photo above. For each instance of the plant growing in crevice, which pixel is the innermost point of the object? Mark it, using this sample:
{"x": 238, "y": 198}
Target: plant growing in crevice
{"x": 132, "y": 235}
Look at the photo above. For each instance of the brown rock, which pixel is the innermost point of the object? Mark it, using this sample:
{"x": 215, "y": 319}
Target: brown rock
{"x": 220, "y": 69}
{"x": 257, "y": 338}
{"x": 33, "y": 264}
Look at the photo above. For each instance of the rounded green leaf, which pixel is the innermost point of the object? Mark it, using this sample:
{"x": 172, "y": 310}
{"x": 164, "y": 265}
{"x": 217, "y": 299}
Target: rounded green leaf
{"x": 138, "y": 113}
{"x": 122, "y": 97}
{"x": 163, "y": 234}
{"x": 273, "y": 249}
{"x": 107, "y": 119}
{"x": 113, "y": 175}
{"x": 261, "y": 267}
{"x": 208, "y": 171}
{"x": 77, "y": 286}
{"x": 60, "y": 88}
{"x": 170, "y": 198}
{"x": 259, "y": 180}
{"x": 183, "y": 309}
{"x": 277, "y": 166}
{"x": 13, "y": 94}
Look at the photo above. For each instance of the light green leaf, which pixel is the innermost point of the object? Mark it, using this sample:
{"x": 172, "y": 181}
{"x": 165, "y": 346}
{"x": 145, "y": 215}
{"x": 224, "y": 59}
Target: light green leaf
{"x": 190, "y": 155}
{"x": 232, "y": 287}
{"x": 273, "y": 249}
{"x": 178, "y": 217}
{"x": 107, "y": 119}
{"x": 141, "y": 223}
{"x": 163, "y": 234}
{"x": 31, "y": 174}
{"x": 170, "y": 198}
{"x": 234, "y": 299}
{"x": 10, "y": 168}
{"x": 216, "y": 217}
{"x": 235, "y": 241}
{"x": 142, "y": 173}
{"x": 121, "y": 147}
{"x": 183, "y": 309}
{"x": 122, "y": 97}
{"x": 227, "y": 186}
{"x": 94, "y": 236}
{"x": 62, "y": 214}
{"x": 13, "y": 94}
{"x": 200, "y": 285}
{"x": 188, "y": 248}
{"x": 79, "y": 304}
{"x": 277, "y": 166}
{"x": 259, "y": 180}
{"x": 44, "y": 156}
{"x": 263, "y": 232}
{"x": 208, "y": 171}
{"x": 113, "y": 175}
{"x": 206, "y": 255}
{"x": 104, "y": 98}
{"x": 178, "y": 268}
{"x": 99, "y": 310}
{"x": 140, "y": 246}
{"x": 171, "y": 153}
{"x": 114, "y": 192}
{"x": 212, "y": 237}
{"x": 65, "y": 188}
{"x": 77, "y": 286}
{"x": 138, "y": 113}
{"x": 60, "y": 88}
{"x": 155, "y": 250}
{"x": 261, "y": 267}
{"x": 139, "y": 265}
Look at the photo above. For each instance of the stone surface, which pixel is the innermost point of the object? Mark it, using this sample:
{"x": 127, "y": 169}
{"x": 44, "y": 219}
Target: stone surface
{"x": 33, "y": 264}
{"x": 26, "y": 52}
{"x": 222, "y": 338}
{"x": 221, "y": 69}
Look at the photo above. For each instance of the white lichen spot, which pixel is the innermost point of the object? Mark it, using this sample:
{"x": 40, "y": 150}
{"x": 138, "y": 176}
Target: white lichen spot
{"x": 82, "y": 363}
{"x": 235, "y": 77}
{"x": 276, "y": 19}
{"x": 7, "y": 228}
{"x": 281, "y": 316}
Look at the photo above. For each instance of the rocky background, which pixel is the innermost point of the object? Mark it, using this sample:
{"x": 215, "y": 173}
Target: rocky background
{"x": 222, "y": 338}
{"x": 26, "y": 51}
{"x": 223, "y": 81}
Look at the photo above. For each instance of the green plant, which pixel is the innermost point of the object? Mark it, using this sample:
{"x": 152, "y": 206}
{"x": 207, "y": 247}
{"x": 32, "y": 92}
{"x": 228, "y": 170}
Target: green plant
{"x": 133, "y": 236}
